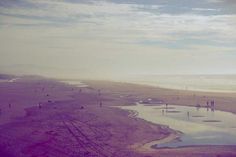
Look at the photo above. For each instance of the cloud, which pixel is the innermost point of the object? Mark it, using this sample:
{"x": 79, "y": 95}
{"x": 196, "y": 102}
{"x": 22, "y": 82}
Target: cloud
{"x": 113, "y": 17}
{"x": 117, "y": 31}
{"x": 205, "y": 9}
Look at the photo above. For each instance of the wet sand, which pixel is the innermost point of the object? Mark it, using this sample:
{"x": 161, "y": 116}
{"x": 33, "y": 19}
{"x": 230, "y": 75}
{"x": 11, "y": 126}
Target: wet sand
{"x": 50, "y": 118}
{"x": 147, "y": 147}
{"x": 134, "y": 92}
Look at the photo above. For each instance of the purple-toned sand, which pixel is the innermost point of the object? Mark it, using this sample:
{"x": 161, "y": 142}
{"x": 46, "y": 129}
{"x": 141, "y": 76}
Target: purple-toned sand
{"x": 45, "y": 118}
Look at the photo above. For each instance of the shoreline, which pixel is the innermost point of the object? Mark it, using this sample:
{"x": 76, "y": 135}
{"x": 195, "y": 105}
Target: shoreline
{"x": 148, "y": 147}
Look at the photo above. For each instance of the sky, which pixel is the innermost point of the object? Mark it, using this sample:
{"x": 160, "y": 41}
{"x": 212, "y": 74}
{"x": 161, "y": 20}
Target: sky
{"x": 117, "y": 38}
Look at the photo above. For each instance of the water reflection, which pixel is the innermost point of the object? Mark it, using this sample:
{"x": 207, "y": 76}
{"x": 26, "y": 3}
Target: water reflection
{"x": 199, "y": 125}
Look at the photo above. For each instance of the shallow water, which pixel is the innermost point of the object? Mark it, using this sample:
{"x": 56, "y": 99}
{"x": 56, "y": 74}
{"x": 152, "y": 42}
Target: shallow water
{"x": 200, "y": 126}
{"x": 76, "y": 83}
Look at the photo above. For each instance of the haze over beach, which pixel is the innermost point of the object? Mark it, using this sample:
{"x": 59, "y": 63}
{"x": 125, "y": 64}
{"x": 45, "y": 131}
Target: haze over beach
{"x": 116, "y": 78}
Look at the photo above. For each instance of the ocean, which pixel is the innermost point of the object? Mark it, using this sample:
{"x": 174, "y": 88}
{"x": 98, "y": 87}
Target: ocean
{"x": 206, "y": 83}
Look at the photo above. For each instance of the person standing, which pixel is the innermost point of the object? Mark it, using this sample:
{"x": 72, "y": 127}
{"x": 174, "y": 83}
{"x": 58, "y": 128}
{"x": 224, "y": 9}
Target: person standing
{"x": 100, "y": 104}
{"x": 207, "y": 104}
{"x": 188, "y": 114}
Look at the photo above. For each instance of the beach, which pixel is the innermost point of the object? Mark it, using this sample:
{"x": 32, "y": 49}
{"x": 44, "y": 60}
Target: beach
{"x": 224, "y": 101}
{"x": 46, "y": 117}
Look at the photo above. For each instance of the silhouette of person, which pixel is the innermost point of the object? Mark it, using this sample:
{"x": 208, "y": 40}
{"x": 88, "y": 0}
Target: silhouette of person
{"x": 100, "y": 104}
{"x": 40, "y": 106}
{"x": 207, "y": 103}
{"x": 211, "y": 103}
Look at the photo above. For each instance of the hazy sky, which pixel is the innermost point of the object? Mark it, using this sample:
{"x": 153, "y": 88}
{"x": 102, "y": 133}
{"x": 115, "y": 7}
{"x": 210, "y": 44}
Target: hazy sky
{"x": 117, "y": 38}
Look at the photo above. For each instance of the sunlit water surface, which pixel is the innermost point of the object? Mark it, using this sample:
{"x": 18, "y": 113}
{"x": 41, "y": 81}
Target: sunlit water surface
{"x": 200, "y": 126}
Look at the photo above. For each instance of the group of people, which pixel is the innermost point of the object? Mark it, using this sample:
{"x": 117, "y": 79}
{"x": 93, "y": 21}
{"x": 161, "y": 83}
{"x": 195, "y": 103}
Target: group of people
{"x": 209, "y": 105}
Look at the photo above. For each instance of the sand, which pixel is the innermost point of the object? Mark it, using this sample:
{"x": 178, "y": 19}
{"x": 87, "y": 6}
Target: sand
{"x": 133, "y": 92}
{"x": 50, "y": 118}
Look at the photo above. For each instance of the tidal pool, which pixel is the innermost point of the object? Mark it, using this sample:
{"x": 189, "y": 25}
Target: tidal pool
{"x": 200, "y": 126}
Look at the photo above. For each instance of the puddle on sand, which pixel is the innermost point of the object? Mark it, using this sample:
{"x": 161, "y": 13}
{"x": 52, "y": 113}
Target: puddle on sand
{"x": 200, "y": 126}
